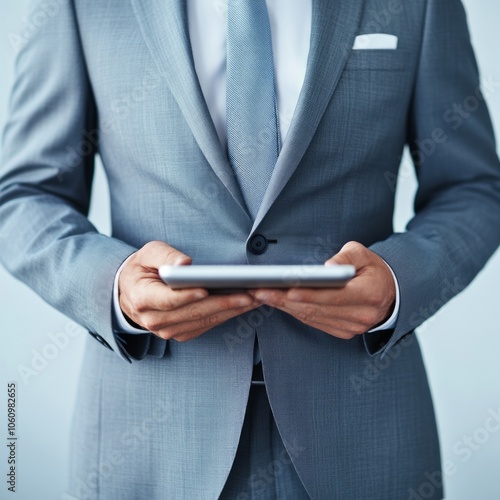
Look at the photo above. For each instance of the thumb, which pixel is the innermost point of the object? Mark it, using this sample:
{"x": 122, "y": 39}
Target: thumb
{"x": 352, "y": 253}
{"x": 158, "y": 253}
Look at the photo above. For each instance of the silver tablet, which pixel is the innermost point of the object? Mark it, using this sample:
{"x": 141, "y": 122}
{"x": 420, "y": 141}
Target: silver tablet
{"x": 229, "y": 278}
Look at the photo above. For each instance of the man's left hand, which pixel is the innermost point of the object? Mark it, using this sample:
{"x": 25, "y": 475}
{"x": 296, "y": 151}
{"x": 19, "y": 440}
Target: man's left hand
{"x": 365, "y": 302}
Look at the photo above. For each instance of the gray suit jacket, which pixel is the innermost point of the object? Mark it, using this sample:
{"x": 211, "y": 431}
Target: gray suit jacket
{"x": 161, "y": 420}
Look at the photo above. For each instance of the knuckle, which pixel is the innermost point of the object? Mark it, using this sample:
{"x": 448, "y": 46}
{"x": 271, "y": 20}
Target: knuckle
{"x": 307, "y": 314}
{"x": 168, "y": 333}
{"x": 167, "y": 304}
{"x": 211, "y": 321}
{"x": 281, "y": 301}
{"x": 353, "y": 246}
{"x": 334, "y": 332}
{"x": 358, "y": 331}
{"x": 373, "y": 300}
{"x": 151, "y": 324}
{"x": 278, "y": 300}
{"x": 196, "y": 313}
{"x": 150, "y": 327}
{"x": 362, "y": 318}
{"x": 375, "y": 316}
{"x": 161, "y": 334}
{"x": 369, "y": 317}
{"x": 171, "y": 255}
{"x": 226, "y": 304}
{"x": 136, "y": 300}
{"x": 150, "y": 246}
{"x": 378, "y": 297}
{"x": 128, "y": 268}
{"x": 345, "y": 335}
{"x": 140, "y": 307}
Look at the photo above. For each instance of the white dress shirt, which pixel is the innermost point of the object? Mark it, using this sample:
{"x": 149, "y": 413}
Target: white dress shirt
{"x": 291, "y": 22}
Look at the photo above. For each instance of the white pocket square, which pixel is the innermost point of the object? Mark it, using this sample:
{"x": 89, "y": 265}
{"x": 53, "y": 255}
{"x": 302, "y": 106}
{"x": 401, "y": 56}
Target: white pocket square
{"x": 373, "y": 41}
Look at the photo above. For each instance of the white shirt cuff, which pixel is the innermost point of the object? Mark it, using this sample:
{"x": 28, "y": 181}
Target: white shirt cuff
{"x": 123, "y": 325}
{"x": 391, "y": 322}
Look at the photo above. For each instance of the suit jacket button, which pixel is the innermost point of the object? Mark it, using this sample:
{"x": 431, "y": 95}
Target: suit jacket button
{"x": 257, "y": 244}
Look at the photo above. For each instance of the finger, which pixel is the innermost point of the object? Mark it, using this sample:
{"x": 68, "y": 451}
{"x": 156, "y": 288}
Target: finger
{"x": 197, "y": 312}
{"x": 335, "y": 332}
{"x": 353, "y": 253}
{"x": 309, "y": 315}
{"x": 190, "y": 336}
{"x": 157, "y": 253}
{"x": 191, "y": 329}
{"x": 360, "y": 315}
{"x": 165, "y": 334}
{"x": 160, "y": 297}
{"x": 351, "y": 295}
{"x": 339, "y": 329}
{"x": 144, "y": 297}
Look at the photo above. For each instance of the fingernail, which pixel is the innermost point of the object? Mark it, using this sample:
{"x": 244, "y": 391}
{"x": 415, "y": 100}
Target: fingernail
{"x": 199, "y": 295}
{"x": 244, "y": 301}
{"x": 295, "y": 296}
{"x": 262, "y": 295}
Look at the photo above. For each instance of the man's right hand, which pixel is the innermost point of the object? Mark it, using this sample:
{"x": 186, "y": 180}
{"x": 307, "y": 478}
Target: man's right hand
{"x": 172, "y": 314}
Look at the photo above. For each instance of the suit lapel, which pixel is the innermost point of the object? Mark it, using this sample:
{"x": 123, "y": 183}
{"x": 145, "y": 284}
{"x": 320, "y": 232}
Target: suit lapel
{"x": 165, "y": 29}
{"x": 334, "y": 26}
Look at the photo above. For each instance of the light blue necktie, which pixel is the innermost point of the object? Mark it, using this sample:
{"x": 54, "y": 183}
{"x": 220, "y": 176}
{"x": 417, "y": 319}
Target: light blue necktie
{"x": 252, "y": 119}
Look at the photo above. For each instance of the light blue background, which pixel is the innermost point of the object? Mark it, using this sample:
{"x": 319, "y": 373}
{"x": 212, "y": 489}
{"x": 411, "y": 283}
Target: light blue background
{"x": 461, "y": 343}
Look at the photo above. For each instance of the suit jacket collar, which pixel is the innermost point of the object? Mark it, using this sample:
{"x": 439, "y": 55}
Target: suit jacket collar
{"x": 334, "y": 26}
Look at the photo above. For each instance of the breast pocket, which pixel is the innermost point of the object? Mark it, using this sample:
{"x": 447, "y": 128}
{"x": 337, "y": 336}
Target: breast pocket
{"x": 372, "y": 99}
{"x": 378, "y": 60}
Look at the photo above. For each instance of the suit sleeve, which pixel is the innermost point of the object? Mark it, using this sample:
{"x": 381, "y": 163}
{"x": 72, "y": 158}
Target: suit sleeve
{"x": 456, "y": 227}
{"x": 46, "y": 173}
